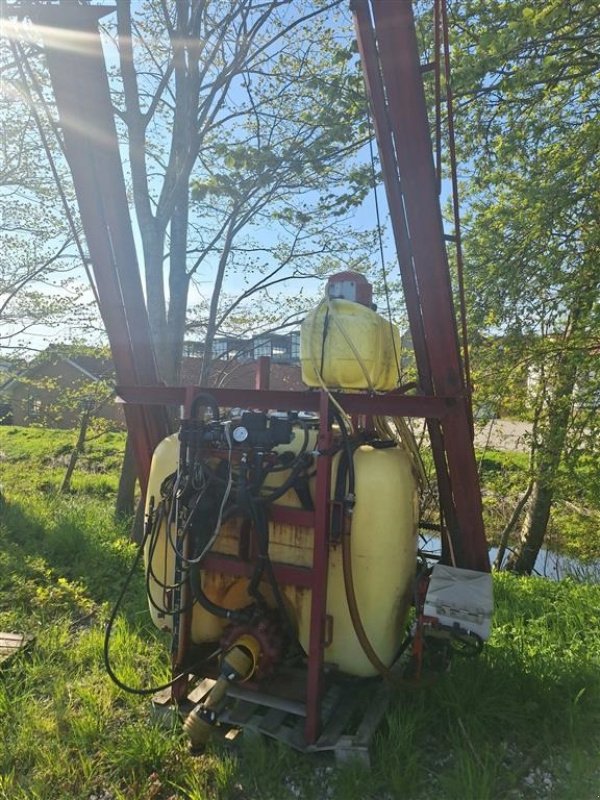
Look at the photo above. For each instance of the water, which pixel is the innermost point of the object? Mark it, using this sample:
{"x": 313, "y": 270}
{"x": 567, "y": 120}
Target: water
{"x": 557, "y": 566}
{"x": 548, "y": 564}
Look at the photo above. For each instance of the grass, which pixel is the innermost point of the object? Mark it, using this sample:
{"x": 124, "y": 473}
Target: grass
{"x": 521, "y": 721}
{"x": 41, "y": 456}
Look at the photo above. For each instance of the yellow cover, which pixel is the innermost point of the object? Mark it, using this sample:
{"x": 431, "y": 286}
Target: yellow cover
{"x": 345, "y": 345}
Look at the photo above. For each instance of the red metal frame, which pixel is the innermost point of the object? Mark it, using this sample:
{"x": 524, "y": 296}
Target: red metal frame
{"x": 368, "y": 51}
{"x": 318, "y": 604}
{"x": 80, "y": 85}
{"x": 391, "y": 65}
{"x": 263, "y": 373}
{"x": 390, "y": 404}
{"x": 313, "y": 578}
{"x": 390, "y": 59}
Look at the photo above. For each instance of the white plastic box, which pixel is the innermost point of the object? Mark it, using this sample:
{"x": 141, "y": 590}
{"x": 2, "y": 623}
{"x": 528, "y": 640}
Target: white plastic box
{"x": 461, "y": 597}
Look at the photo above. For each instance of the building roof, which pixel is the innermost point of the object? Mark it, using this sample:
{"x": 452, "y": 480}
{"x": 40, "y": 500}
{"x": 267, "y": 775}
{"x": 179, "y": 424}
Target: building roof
{"x": 230, "y": 373}
{"x": 91, "y": 367}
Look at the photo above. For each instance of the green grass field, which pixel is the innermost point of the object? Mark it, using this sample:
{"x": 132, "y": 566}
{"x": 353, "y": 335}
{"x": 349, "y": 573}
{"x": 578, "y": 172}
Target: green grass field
{"x": 521, "y": 721}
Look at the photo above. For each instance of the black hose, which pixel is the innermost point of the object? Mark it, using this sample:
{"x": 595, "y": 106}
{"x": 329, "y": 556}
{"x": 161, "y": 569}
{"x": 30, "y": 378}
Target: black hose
{"x": 192, "y": 515}
{"x": 357, "y": 623}
{"x": 151, "y": 575}
{"x": 288, "y": 484}
{"x": 109, "y": 626}
{"x": 152, "y": 547}
{"x": 261, "y": 525}
{"x": 348, "y": 448}
{"x": 233, "y": 615}
{"x": 254, "y": 507}
{"x": 299, "y": 454}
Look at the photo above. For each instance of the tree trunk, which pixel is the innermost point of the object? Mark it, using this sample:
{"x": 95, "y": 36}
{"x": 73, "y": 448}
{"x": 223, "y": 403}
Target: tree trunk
{"x": 125, "y": 504}
{"x": 548, "y": 458}
{"x": 83, "y": 426}
{"x": 510, "y": 525}
{"x": 178, "y": 287}
{"x": 211, "y": 327}
{"x": 523, "y": 559}
{"x": 153, "y": 246}
{"x": 137, "y": 527}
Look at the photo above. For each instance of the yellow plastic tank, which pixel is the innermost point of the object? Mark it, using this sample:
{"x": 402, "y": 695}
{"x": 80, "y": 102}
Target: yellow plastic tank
{"x": 383, "y": 546}
{"x": 348, "y": 346}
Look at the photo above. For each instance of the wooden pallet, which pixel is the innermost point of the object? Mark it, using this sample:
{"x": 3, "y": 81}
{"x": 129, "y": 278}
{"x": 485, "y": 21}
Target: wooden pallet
{"x": 11, "y": 644}
{"x": 350, "y": 717}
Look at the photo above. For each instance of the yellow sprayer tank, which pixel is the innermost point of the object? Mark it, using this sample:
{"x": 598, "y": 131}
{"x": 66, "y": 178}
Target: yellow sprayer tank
{"x": 346, "y": 345}
{"x": 383, "y": 546}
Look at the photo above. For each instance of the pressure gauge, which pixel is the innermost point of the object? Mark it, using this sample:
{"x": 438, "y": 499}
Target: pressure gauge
{"x": 240, "y": 434}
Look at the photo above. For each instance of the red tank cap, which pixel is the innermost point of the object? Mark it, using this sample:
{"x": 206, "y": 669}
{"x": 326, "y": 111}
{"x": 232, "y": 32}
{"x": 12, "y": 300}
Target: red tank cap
{"x": 350, "y": 286}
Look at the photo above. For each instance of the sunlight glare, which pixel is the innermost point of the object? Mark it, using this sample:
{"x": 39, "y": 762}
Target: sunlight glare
{"x": 62, "y": 39}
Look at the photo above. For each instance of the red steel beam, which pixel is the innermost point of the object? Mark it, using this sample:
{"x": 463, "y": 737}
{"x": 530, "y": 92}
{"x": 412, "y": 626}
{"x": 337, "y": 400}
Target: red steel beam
{"x": 367, "y": 47}
{"x": 286, "y": 574}
{"x": 318, "y": 602}
{"x": 262, "y": 379}
{"x": 75, "y": 59}
{"x": 407, "y": 112}
{"x": 390, "y": 404}
{"x": 386, "y": 32}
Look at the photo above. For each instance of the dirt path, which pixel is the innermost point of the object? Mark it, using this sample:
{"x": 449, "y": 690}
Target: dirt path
{"x": 503, "y": 434}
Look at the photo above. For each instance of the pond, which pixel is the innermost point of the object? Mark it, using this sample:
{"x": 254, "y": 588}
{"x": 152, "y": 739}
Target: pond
{"x": 548, "y": 564}
{"x": 553, "y": 565}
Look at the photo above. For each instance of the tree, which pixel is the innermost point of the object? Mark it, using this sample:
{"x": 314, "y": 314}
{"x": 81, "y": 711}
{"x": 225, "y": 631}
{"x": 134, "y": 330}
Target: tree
{"x": 241, "y": 118}
{"x": 527, "y": 79}
{"x": 89, "y": 408}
